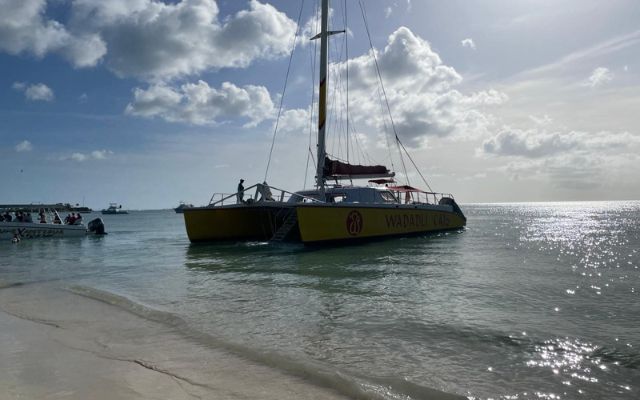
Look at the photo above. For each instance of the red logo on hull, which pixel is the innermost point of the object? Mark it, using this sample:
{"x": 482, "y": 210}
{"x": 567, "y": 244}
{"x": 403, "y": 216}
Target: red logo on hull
{"x": 354, "y": 223}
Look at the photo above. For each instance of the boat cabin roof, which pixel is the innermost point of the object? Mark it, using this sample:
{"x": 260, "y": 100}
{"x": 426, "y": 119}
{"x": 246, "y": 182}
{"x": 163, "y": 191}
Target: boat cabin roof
{"x": 349, "y": 194}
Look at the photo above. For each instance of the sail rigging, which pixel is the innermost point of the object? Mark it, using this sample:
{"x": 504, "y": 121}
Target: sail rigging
{"x": 335, "y": 169}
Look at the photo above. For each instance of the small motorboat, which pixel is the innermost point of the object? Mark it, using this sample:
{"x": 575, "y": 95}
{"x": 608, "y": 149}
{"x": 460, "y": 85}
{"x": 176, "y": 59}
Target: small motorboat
{"x": 181, "y": 207}
{"x": 37, "y": 221}
{"x": 114, "y": 209}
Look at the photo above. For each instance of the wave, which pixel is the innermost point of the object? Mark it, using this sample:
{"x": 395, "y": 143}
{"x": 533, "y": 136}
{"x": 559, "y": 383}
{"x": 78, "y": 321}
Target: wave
{"x": 322, "y": 375}
{"x": 7, "y": 285}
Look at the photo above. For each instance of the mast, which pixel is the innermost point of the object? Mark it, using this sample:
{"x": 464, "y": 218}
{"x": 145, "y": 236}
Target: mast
{"x": 322, "y": 101}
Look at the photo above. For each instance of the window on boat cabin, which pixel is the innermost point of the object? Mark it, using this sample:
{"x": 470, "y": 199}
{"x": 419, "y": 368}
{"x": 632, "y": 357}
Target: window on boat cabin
{"x": 388, "y": 197}
{"x": 337, "y": 197}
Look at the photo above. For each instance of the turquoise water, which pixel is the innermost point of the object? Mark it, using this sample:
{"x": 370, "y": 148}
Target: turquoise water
{"x": 531, "y": 301}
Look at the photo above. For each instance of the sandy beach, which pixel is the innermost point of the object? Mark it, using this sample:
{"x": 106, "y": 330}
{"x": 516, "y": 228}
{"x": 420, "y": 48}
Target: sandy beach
{"x": 55, "y": 344}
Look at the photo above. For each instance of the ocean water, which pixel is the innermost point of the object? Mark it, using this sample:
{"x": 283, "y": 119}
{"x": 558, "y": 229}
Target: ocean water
{"x": 530, "y": 301}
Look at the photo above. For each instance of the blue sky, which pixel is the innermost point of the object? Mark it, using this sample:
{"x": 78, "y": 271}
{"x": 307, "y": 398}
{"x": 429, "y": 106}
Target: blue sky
{"x": 146, "y": 103}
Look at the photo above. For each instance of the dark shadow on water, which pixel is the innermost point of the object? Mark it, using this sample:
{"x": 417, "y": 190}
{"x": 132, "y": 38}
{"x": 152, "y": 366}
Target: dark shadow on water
{"x": 365, "y": 260}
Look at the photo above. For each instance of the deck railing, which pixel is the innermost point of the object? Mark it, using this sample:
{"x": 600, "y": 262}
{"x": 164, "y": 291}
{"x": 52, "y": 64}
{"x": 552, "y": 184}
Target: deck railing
{"x": 420, "y": 197}
{"x": 261, "y": 193}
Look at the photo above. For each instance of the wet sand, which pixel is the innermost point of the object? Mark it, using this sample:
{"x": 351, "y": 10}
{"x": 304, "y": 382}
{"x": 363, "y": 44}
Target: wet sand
{"x": 55, "y": 344}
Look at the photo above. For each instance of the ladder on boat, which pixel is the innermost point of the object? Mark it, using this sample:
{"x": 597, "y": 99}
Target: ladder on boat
{"x": 290, "y": 221}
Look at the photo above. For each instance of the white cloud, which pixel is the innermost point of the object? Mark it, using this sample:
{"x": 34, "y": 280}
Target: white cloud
{"x": 34, "y": 92}
{"x": 581, "y": 56}
{"x": 23, "y": 146}
{"x": 24, "y": 28}
{"x": 599, "y": 77}
{"x": 94, "y": 155}
{"x": 468, "y": 42}
{"x": 156, "y": 40}
{"x": 536, "y": 143}
{"x": 388, "y": 11}
{"x": 200, "y": 104}
{"x": 295, "y": 121}
{"x": 421, "y": 92}
{"x": 568, "y": 159}
{"x": 148, "y": 39}
{"x": 541, "y": 121}
{"x": 79, "y": 157}
{"x": 39, "y": 92}
{"x": 101, "y": 154}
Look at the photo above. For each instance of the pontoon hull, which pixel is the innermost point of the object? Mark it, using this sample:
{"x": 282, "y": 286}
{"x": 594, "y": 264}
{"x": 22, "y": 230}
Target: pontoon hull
{"x": 345, "y": 223}
{"x": 236, "y": 222}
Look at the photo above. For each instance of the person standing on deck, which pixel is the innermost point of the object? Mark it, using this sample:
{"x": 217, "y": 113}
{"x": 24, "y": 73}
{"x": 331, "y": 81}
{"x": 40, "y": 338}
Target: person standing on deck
{"x": 240, "y": 193}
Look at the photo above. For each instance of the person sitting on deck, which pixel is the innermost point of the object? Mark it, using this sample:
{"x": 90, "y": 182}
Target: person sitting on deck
{"x": 78, "y": 219}
{"x": 43, "y": 218}
{"x": 18, "y": 215}
{"x": 67, "y": 219}
{"x": 7, "y": 216}
{"x": 56, "y": 219}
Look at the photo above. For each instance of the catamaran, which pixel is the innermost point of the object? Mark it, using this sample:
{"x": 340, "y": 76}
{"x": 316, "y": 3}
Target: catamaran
{"x": 329, "y": 212}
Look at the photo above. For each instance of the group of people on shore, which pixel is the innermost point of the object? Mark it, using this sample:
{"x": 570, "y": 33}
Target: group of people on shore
{"x": 20, "y": 216}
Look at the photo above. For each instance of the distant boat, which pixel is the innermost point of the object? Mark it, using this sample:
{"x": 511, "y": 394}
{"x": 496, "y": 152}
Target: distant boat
{"x": 81, "y": 209}
{"x": 42, "y": 220}
{"x": 181, "y": 207}
{"x": 113, "y": 209}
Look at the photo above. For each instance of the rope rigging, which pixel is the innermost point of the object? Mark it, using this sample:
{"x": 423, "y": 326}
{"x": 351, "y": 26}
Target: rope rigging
{"x": 339, "y": 111}
{"x": 284, "y": 90}
{"x": 399, "y": 143}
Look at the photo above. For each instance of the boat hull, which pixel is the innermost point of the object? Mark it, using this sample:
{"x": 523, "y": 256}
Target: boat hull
{"x": 29, "y": 230}
{"x": 235, "y": 222}
{"x": 346, "y": 223}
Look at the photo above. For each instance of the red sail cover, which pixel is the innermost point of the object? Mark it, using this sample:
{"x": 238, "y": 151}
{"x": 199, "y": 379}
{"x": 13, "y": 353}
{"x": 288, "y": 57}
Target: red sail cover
{"x": 335, "y": 168}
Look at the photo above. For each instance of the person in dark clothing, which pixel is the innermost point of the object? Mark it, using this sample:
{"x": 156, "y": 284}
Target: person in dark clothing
{"x": 240, "y": 192}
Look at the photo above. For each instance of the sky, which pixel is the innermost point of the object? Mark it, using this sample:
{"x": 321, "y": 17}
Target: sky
{"x": 147, "y": 102}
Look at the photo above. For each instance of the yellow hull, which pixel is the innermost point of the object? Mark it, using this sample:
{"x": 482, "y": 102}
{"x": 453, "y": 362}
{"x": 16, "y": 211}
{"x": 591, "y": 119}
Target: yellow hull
{"x": 344, "y": 223}
{"x": 210, "y": 224}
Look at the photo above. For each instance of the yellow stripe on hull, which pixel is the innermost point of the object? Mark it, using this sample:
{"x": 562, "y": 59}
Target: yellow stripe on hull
{"x": 341, "y": 223}
{"x": 234, "y": 223}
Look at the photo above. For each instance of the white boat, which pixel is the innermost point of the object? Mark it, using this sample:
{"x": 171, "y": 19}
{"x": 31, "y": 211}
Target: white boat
{"x": 114, "y": 209}
{"x": 181, "y": 207}
{"x": 42, "y": 221}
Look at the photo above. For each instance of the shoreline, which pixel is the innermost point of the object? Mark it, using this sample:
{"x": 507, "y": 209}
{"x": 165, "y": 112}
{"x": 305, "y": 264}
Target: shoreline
{"x": 55, "y": 343}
